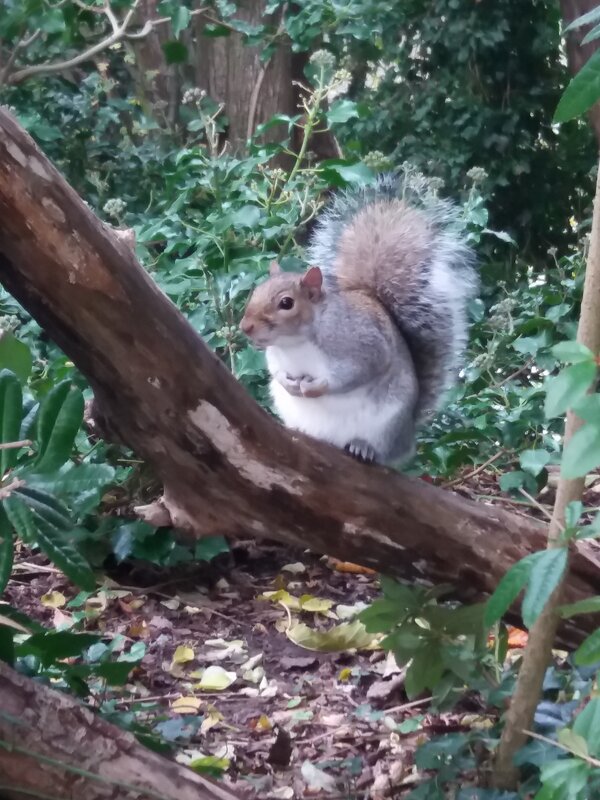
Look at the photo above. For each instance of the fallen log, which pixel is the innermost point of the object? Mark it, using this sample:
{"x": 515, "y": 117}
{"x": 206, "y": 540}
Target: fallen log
{"x": 226, "y": 466}
{"x": 53, "y": 746}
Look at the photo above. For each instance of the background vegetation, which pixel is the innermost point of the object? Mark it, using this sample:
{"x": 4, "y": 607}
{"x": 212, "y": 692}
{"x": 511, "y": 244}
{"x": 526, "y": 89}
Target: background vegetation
{"x": 216, "y": 133}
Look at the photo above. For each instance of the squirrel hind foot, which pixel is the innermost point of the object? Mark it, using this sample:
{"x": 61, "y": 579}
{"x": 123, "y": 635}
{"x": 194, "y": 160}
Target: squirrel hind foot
{"x": 361, "y": 450}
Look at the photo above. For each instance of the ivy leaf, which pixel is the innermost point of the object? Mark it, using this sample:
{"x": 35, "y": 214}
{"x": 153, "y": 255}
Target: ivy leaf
{"x": 180, "y": 20}
{"x": 545, "y": 575}
{"x": 60, "y": 417}
{"x": 564, "y": 389}
{"x": 425, "y": 671}
{"x": 582, "y": 453}
{"x": 15, "y": 356}
{"x": 6, "y": 549}
{"x": 175, "y": 52}
{"x": 588, "y": 652}
{"x": 11, "y": 410}
{"x": 582, "y": 91}
{"x": 342, "y": 111}
{"x": 534, "y": 461}
{"x": 572, "y": 352}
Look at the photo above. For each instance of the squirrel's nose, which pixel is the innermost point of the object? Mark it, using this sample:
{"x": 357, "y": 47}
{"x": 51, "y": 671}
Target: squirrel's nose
{"x": 246, "y": 326}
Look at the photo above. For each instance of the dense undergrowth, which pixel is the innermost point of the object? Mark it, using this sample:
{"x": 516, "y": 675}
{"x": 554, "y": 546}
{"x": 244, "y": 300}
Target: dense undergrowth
{"x": 207, "y": 223}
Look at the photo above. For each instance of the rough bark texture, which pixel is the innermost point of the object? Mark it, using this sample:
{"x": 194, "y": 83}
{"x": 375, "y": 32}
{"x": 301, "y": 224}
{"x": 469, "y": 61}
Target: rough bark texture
{"x": 232, "y": 73}
{"x": 49, "y": 741}
{"x": 226, "y": 466}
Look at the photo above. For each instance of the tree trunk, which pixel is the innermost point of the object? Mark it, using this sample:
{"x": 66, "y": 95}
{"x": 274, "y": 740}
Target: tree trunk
{"x": 226, "y": 466}
{"x": 232, "y": 73}
{"x": 53, "y": 746}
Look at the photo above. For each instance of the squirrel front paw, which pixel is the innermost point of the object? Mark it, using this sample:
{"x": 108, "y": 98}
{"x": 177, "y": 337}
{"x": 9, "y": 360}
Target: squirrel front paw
{"x": 313, "y": 387}
{"x": 291, "y": 385}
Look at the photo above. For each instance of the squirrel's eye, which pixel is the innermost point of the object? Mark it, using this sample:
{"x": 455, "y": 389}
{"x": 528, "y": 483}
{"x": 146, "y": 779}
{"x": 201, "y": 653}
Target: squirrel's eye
{"x": 286, "y": 303}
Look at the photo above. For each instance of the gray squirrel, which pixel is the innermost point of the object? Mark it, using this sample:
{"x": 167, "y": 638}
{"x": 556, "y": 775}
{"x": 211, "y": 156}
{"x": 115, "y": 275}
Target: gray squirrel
{"x": 362, "y": 347}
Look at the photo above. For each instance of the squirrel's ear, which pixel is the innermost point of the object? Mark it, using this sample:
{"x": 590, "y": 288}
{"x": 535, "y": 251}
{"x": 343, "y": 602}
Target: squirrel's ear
{"x": 313, "y": 281}
{"x": 274, "y": 268}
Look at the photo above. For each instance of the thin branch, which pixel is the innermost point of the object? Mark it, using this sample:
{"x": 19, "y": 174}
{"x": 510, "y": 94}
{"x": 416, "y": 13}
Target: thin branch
{"x": 15, "y": 445}
{"x": 476, "y": 471}
{"x": 594, "y": 762}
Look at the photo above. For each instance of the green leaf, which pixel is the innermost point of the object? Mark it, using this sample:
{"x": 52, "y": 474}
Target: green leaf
{"x": 175, "y": 52}
{"x": 60, "y": 417}
{"x": 11, "y": 411}
{"x": 590, "y": 605}
{"x": 512, "y": 480}
{"x": 425, "y": 670}
{"x": 587, "y": 725}
{"x": 47, "y": 506}
{"x": 508, "y": 589}
{"x": 546, "y": 573}
{"x": 180, "y": 20}
{"x": 588, "y": 652}
{"x": 576, "y": 743}
{"x": 582, "y": 453}
{"x": 534, "y": 461}
{"x": 566, "y": 772}
{"x": 591, "y": 36}
{"x": 585, "y": 19}
{"x": 582, "y": 91}
{"x": 52, "y": 645}
{"x": 6, "y": 549}
{"x": 210, "y": 547}
{"x": 566, "y": 388}
{"x": 15, "y": 356}
{"x": 342, "y": 111}
{"x": 572, "y": 352}
{"x": 52, "y": 541}
{"x": 381, "y": 616}
{"x": 588, "y": 408}
{"x": 247, "y": 216}
{"x": 74, "y": 479}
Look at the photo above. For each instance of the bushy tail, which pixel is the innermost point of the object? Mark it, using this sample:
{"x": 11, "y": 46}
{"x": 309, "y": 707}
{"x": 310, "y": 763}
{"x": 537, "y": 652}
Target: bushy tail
{"x": 397, "y": 240}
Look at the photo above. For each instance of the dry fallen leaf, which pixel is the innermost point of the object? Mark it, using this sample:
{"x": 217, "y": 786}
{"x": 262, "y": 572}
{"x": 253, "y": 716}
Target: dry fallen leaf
{"x": 347, "y": 636}
{"x": 53, "y": 600}
{"x": 186, "y": 705}
{"x": 215, "y": 679}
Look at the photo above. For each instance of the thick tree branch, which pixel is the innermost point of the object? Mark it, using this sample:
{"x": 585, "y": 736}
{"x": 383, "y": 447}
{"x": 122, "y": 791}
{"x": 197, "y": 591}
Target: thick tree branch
{"x": 226, "y": 466}
{"x": 52, "y": 746}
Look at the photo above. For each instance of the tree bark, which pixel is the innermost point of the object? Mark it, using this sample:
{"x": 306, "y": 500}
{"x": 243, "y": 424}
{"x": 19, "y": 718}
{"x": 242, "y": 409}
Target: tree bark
{"x": 52, "y": 746}
{"x": 226, "y": 466}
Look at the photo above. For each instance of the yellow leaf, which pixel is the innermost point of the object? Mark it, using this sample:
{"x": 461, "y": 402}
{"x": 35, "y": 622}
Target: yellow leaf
{"x": 53, "y": 600}
{"x": 216, "y": 679}
{"x": 263, "y": 723}
{"x": 283, "y": 597}
{"x": 212, "y": 718}
{"x": 318, "y": 604}
{"x": 347, "y": 636}
{"x": 345, "y": 675}
{"x": 183, "y": 654}
{"x": 186, "y": 705}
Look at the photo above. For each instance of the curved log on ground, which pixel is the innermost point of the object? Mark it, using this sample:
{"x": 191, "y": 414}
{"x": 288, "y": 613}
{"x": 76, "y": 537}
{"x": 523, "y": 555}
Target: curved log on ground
{"x": 53, "y": 746}
{"x": 227, "y": 467}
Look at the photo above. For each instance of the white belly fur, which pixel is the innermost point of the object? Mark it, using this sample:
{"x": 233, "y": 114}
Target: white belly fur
{"x": 334, "y": 418}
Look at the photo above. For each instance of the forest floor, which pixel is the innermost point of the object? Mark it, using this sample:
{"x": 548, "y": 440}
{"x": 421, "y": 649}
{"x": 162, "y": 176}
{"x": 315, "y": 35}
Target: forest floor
{"x": 228, "y": 676}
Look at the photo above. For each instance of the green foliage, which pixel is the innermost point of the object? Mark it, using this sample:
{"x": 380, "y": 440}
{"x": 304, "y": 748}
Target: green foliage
{"x": 444, "y": 646}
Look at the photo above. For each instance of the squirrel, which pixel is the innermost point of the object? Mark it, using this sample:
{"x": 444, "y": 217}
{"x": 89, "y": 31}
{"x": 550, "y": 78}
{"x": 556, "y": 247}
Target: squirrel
{"x": 362, "y": 347}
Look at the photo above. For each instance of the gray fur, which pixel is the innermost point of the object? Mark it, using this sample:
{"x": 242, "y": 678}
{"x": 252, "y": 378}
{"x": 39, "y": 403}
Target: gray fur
{"x": 430, "y": 320}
